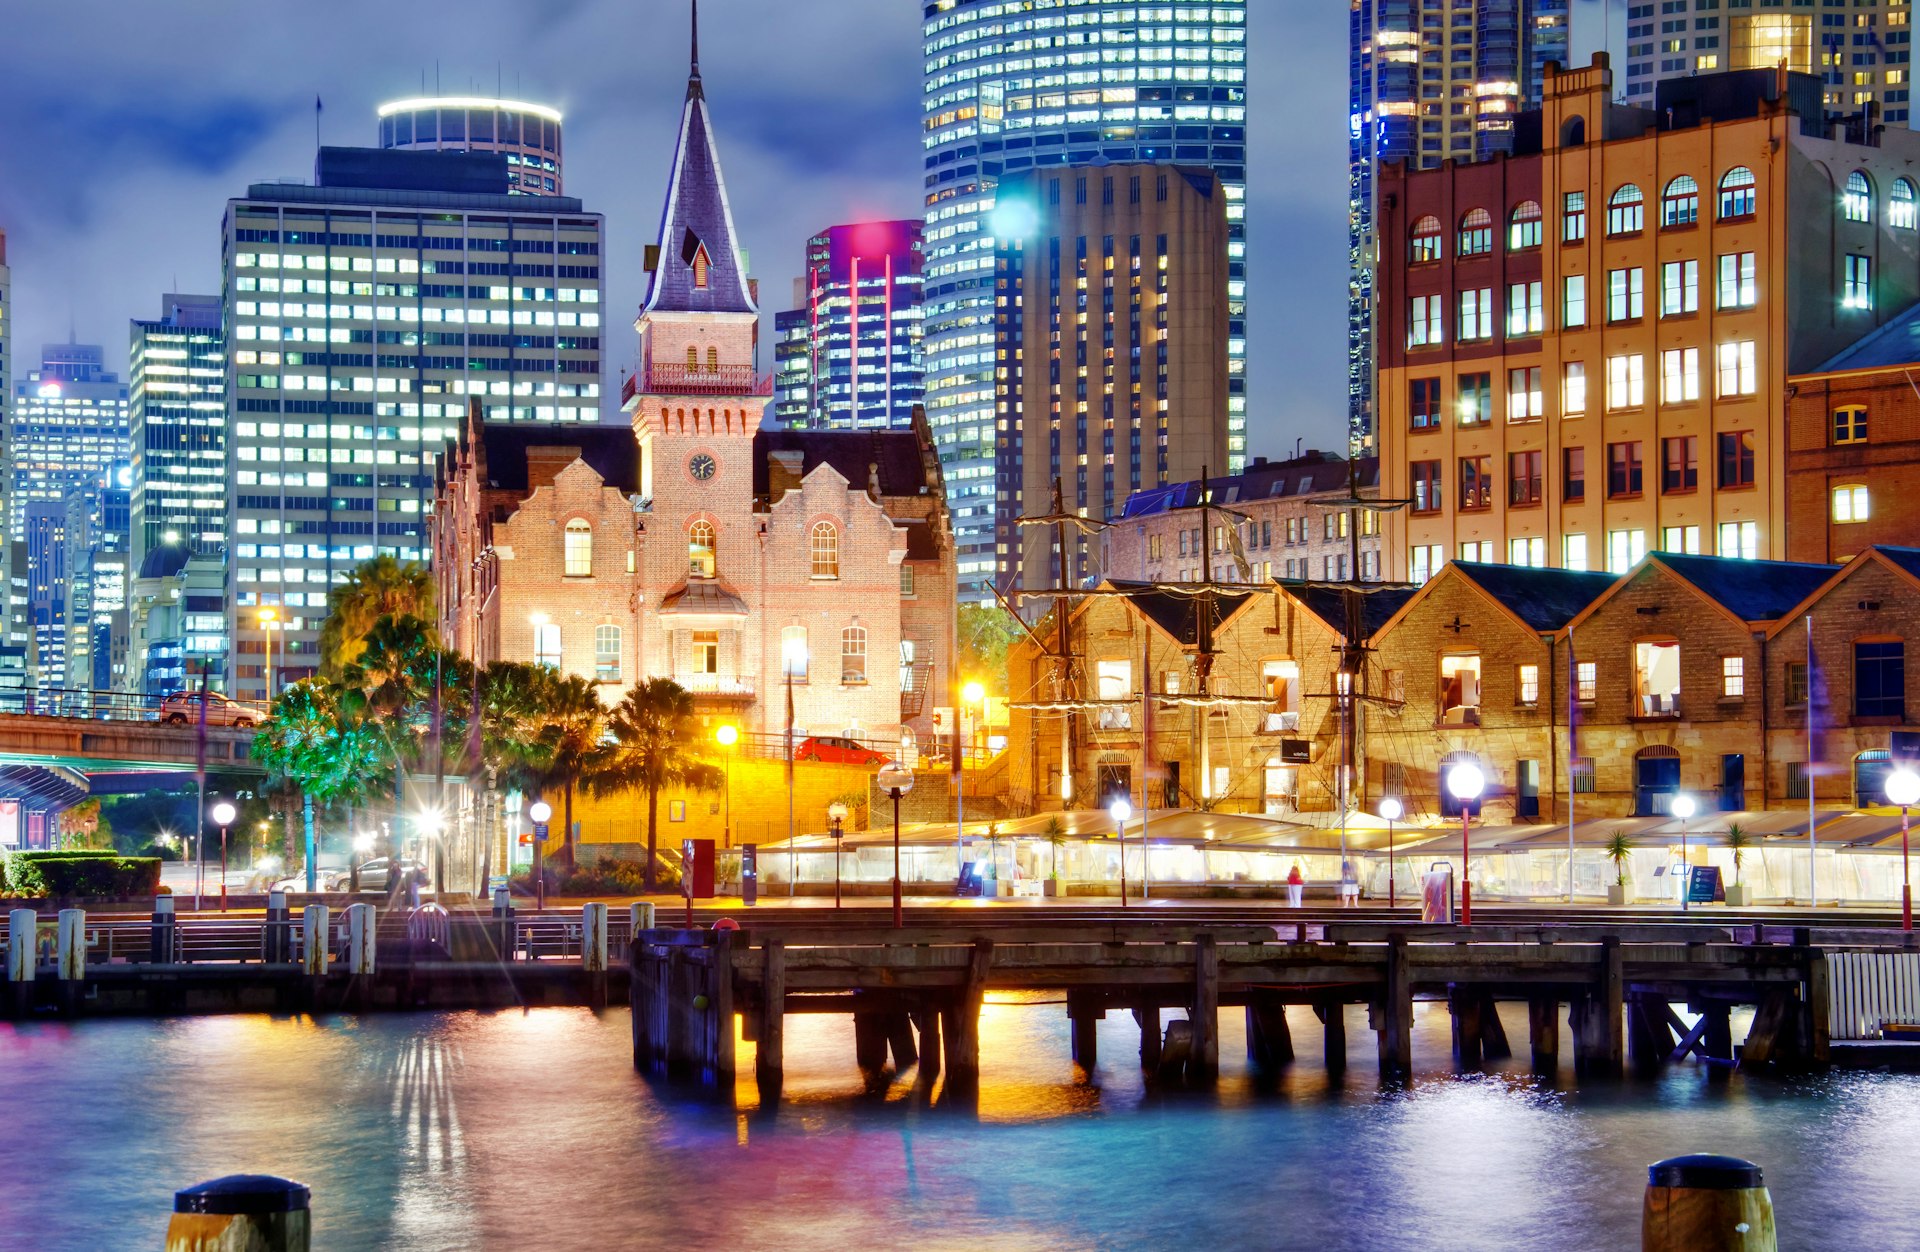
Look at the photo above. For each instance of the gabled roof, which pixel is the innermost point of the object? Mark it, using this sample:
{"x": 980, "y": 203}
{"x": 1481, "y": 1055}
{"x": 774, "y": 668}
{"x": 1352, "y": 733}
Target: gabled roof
{"x": 852, "y": 452}
{"x": 610, "y": 451}
{"x": 1753, "y": 591}
{"x": 697, "y": 218}
{"x": 1545, "y": 599}
{"x": 1891, "y": 346}
{"x": 1328, "y": 602}
{"x": 1903, "y": 561}
{"x": 1178, "y": 613}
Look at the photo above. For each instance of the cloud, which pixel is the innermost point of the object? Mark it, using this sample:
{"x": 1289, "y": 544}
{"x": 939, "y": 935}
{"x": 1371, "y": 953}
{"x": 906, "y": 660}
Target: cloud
{"x": 133, "y": 124}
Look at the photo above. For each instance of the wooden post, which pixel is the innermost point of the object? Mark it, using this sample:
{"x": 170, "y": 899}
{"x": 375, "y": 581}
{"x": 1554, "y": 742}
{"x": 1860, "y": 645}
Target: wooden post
{"x": 963, "y": 1024}
{"x": 1083, "y": 1019}
{"x": 1706, "y": 1204}
{"x": 1269, "y": 1041}
{"x": 593, "y": 953}
{"x": 1396, "y": 1013}
{"x": 71, "y": 954}
{"x": 1719, "y": 1037}
{"x": 639, "y": 1002}
{"x": 1493, "y": 1034}
{"x": 274, "y": 938}
{"x": 672, "y": 998}
{"x": 1763, "y": 1035}
{"x": 1148, "y": 1015}
{"x": 769, "y": 1057}
{"x": 1205, "y": 1062}
{"x": 23, "y": 942}
{"x": 1543, "y": 1033}
{"x": 1819, "y": 998}
{"x": 241, "y": 1213}
{"x": 900, "y": 1040}
{"x": 1612, "y": 1005}
{"x": 870, "y": 1043}
{"x": 1465, "y": 1003}
{"x": 361, "y": 945}
{"x": 720, "y": 1025}
{"x": 1336, "y": 1028}
{"x": 927, "y": 1019}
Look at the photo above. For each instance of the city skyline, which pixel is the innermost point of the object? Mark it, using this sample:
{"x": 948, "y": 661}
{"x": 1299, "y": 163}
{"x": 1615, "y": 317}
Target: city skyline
{"x": 86, "y": 256}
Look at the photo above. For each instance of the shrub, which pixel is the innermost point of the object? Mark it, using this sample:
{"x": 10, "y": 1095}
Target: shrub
{"x": 76, "y": 873}
{"x": 605, "y": 877}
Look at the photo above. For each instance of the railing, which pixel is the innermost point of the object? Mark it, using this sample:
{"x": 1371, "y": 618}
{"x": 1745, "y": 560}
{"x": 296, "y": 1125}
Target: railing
{"x": 717, "y": 685}
{"x": 660, "y": 378}
{"x": 1871, "y": 990}
{"x": 112, "y": 706}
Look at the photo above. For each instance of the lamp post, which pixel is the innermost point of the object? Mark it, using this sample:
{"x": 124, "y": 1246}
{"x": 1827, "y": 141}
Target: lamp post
{"x": 267, "y": 618}
{"x": 540, "y": 812}
{"x": 1465, "y": 782}
{"x": 1120, "y": 811}
{"x": 1390, "y": 810}
{"x": 837, "y": 814}
{"x": 1903, "y": 789}
{"x": 430, "y": 823}
{"x": 728, "y": 735}
{"x": 362, "y": 844}
{"x": 896, "y": 780}
{"x": 1682, "y": 807}
{"x": 972, "y": 693}
{"x": 223, "y": 814}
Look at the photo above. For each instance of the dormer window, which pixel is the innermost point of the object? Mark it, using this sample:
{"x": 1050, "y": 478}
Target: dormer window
{"x": 701, "y": 263}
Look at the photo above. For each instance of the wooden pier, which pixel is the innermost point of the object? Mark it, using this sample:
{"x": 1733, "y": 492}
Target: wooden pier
{"x": 916, "y": 992}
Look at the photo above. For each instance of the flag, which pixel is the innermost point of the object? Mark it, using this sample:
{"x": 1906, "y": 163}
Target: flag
{"x": 316, "y": 104}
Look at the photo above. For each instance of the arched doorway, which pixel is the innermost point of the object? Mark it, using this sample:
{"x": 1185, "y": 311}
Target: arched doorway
{"x": 1112, "y": 780}
{"x": 1449, "y": 805}
{"x": 1870, "y": 770}
{"x": 1656, "y": 780}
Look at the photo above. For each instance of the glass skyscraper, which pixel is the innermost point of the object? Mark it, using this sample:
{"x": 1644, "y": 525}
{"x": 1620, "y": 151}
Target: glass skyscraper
{"x": 1430, "y": 81}
{"x": 847, "y": 356}
{"x": 67, "y": 427}
{"x": 178, "y": 421}
{"x": 1013, "y": 85}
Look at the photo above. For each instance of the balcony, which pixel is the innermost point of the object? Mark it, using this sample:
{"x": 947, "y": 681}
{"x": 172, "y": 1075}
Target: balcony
{"x": 1656, "y": 707}
{"x": 659, "y": 378}
{"x": 716, "y": 686}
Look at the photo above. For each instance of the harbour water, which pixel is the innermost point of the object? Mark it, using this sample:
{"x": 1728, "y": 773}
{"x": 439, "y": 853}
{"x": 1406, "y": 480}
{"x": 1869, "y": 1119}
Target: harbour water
{"x": 531, "y": 1130}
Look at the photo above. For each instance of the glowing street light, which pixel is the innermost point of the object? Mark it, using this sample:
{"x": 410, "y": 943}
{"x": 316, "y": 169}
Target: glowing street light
{"x": 1680, "y": 808}
{"x": 728, "y": 735}
{"x": 971, "y": 693}
{"x": 1465, "y": 782}
{"x": 837, "y": 814}
{"x": 223, "y": 814}
{"x": 1391, "y": 811}
{"x": 267, "y": 619}
{"x": 540, "y": 812}
{"x": 1121, "y": 811}
{"x": 896, "y": 780}
{"x": 1903, "y": 789}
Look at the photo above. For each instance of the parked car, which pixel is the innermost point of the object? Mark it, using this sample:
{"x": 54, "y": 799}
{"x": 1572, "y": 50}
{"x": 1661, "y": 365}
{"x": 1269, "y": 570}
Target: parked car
{"x": 183, "y": 709}
{"x": 373, "y": 875}
{"x": 837, "y": 750}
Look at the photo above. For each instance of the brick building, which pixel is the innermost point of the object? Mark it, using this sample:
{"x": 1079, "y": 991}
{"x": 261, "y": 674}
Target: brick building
{"x": 1584, "y": 346}
{"x": 1292, "y": 530}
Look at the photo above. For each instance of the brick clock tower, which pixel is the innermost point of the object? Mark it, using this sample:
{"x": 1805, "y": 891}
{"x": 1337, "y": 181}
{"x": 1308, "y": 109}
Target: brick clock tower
{"x": 696, "y": 404}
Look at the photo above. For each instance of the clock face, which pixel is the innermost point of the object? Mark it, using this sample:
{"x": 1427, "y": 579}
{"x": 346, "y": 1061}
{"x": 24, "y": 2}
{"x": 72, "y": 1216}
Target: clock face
{"x": 702, "y": 467}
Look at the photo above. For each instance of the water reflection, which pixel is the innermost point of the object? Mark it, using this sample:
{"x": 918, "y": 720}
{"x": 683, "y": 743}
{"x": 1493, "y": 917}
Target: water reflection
{"x": 531, "y": 1130}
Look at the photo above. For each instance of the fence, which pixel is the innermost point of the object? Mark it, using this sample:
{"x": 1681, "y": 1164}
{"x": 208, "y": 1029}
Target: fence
{"x": 1871, "y": 989}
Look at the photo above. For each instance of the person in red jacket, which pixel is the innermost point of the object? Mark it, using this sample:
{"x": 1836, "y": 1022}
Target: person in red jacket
{"x": 1296, "y": 886}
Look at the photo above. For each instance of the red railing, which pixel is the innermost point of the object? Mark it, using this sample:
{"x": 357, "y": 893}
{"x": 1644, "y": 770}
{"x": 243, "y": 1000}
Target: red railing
{"x": 659, "y": 378}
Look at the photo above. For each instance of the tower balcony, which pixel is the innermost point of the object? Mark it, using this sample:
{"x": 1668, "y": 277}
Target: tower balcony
{"x": 662, "y": 379}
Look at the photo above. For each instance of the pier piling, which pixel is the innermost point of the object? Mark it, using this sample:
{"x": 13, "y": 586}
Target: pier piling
{"x": 23, "y": 929}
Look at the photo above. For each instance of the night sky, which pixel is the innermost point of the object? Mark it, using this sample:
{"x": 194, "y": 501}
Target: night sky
{"x": 129, "y": 125}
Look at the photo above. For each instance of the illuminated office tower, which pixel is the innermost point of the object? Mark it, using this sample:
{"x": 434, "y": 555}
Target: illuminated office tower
{"x": 1010, "y": 88}
{"x": 847, "y": 356}
{"x": 1429, "y": 82}
{"x": 68, "y": 425}
{"x": 363, "y": 314}
{"x": 177, "y": 419}
{"x": 528, "y": 135}
{"x": 1860, "y": 52}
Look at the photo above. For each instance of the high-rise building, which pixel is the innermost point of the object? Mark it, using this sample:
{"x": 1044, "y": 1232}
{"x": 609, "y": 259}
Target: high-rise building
{"x": 1009, "y": 88}
{"x": 48, "y": 598}
{"x": 67, "y": 428}
{"x": 6, "y": 359}
{"x": 1111, "y": 328}
{"x": 1861, "y": 55}
{"x": 1585, "y": 346}
{"x": 528, "y": 135}
{"x": 847, "y": 355}
{"x": 363, "y": 313}
{"x": 1429, "y": 83}
{"x": 177, "y": 419}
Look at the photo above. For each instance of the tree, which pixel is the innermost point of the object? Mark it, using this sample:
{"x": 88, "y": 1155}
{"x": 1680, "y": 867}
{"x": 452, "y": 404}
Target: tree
{"x": 567, "y": 747}
{"x": 390, "y": 692}
{"x": 382, "y": 587}
{"x": 653, "y": 728}
{"x": 986, "y": 632}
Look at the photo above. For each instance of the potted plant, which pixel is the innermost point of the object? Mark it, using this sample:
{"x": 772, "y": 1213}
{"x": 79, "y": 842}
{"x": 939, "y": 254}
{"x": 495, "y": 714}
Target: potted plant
{"x": 1738, "y": 841}
{"x": 1055, "y": 835}
{"x": 1618, "y": 849}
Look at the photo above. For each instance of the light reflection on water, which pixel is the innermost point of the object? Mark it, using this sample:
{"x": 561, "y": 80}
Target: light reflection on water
{"x": 531, "y": 1130}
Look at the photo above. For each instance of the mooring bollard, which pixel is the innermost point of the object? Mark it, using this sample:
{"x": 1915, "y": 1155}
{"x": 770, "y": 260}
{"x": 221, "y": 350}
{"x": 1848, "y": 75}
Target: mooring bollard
{"x": 71, "y": 956}
{"x": 23, "y": 929}
{"x": 640, "y": 914}
{"x": 275, "y": 938}
{"x": 314, "y": 920}
{"x": 504, "y": 938}
{"x": 162, "y": 947}
{"x": 360, "y": 940}
{"x": 593, "y": 953}
{"x": 1705, "y": 1203}
{"x": 241, "y": 1213}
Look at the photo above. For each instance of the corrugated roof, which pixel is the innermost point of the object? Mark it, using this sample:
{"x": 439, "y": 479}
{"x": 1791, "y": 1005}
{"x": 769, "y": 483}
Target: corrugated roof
{"x": 1327, "y": 601}
{"x": 1178, "y": 613}
{"x": 1753, "y": 591}
{"x": 1892, "y": 345}
{"x": 1545, "y": 599}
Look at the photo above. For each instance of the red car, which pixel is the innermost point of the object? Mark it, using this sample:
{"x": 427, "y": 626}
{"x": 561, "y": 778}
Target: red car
{"x": 836, "y": 750}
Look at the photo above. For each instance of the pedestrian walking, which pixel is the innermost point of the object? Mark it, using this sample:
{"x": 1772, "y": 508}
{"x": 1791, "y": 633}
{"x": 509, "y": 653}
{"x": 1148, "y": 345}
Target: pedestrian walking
{"x": 1296, "y": 886}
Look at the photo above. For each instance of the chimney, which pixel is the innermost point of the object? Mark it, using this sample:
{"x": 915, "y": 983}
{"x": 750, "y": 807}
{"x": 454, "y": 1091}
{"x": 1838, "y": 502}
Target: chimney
{"x": 784, "y": 469}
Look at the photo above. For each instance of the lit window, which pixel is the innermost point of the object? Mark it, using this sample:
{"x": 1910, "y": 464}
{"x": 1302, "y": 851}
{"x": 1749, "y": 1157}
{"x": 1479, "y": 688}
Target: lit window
{"x": 1573, "y": 402}
{"x": 1679, "y": 288}
{"x": 1526, "y": 685}
{"x": 826, "y": 550}
{"x": 1626, "y": 382}
{"x": 1900, "y": 205}
{"x": 706, "y": 652}
{"x": 700, "y": 550}
{"x": 1426, "y": 240}
{"x": 1737, "y": 287}
{"x": 1573, "y": 302}
{"x": 1736, "y": 193}
{"x": 1573, "y": 219}
{"x": 1625, "y": 294}
{"x": 1740, "y": 539}
{"x": 793, "y": 652}
{"x": 1459, "y": 690}
{"x": 1526, "y": 314}
{"x": 606, "y": 654}
{"x": 1626, "y": 210}
{"x": 579, "y": 549}
{"x": 1733, "y": 677}
{"x": 1680, "y": 202}
{"x": 546, "y": 644}
{"x": 1523, "y": 228}
{"x": 1573, "y": 552}
{"x": 1586, "y": 687}
{"x": 1476, "y": 314}
{"x": 1850, "y": 503}
{"x": 1656, "y": 678}
{"x": 1736, "y": 372}
{"x": 1857, "y": 283}
{"x": 1857, "y": 201}
{"x": 1679, "y": 375}
{"x": 1624, "y": 549}
{"x": 1426, "y": 327}
{"x": 1850, "y": 424}
{"x": 853, "y": 655}
{"x": 1476, "y": 233}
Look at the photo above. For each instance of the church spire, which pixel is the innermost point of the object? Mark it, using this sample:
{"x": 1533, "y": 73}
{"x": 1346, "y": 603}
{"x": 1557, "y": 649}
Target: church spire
{"x": 694, "y": 90}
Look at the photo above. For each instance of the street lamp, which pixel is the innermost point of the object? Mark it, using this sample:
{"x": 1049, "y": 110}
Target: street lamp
{"x": 362, "y": 844}
{"x": 540, "y": 812}
{"x": 1390, "y": 810}
{"x": 1903, "y": 789}
{"x": 837, "y": 814}
{"x": 896, "y": 780}
{"x": 267, "y": 618}
{"x": 1682, "y": 807}
{"x": 1465, "y": 782}
{"x": 429, "y": 824}
{"x": 223, "y": 814}
{"x": 1120, "y": 811}
{"x": 972, "y": 693}
{"x": 728, "y": 735}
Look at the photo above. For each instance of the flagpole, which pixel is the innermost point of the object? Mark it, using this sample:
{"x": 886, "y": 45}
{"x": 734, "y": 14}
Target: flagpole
{"x": 1573, "y": 748}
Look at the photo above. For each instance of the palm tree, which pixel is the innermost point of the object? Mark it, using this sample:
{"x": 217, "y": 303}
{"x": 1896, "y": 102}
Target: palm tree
{"x": 382, "y": 587}
{"x": 653, "y": 730}
{"x": 568, "y": 746}
{"x": 390, "y": 690}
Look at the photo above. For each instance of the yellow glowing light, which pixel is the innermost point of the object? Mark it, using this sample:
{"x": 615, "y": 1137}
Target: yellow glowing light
{"x": 727, "y": 735}
{"x": 973, "y": 693}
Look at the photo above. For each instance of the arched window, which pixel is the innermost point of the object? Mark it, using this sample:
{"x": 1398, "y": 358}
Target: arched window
{"x": 1900, "y": 205}
{"x": 700, "y": 552}
{"x": 1680, "y": 202}
{"x": 1573, "y": 131}
{"x": 826, "y": 550}
{"x": 1426, "y": 240}
{"x": 1626, "y": 210}
{"x": 1857, "y": 203}
{"x": 1736, "y": 193}
{"x": 606, "y": 654}
{"x": 579, "y": 549}
{"x": 853, "y": 655}
{"x": 693, "y": 358}
{"x": 1523, "y": 228}
{"x": 1476, "y": 233}
{"x": 713, "y": 360}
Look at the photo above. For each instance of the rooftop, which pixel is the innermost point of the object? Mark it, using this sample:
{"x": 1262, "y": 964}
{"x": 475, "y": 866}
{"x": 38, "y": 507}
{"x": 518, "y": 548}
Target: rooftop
{"x": 1315, "y": 473}
{"x": 1753, "y": 591}
{"x": 1545, "y": 599}
{"x": 1891, "y": 346}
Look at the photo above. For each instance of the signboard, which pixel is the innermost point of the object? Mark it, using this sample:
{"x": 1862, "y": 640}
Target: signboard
{"x": 1296, "y": 752}
{"x": 749, "y": 873}
{"x": 696, "y": 869}
{"x": 1703, "y": 885}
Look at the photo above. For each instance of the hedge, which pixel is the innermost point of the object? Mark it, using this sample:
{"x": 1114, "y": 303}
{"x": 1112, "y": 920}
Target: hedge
{"x": 81, "y": 874}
